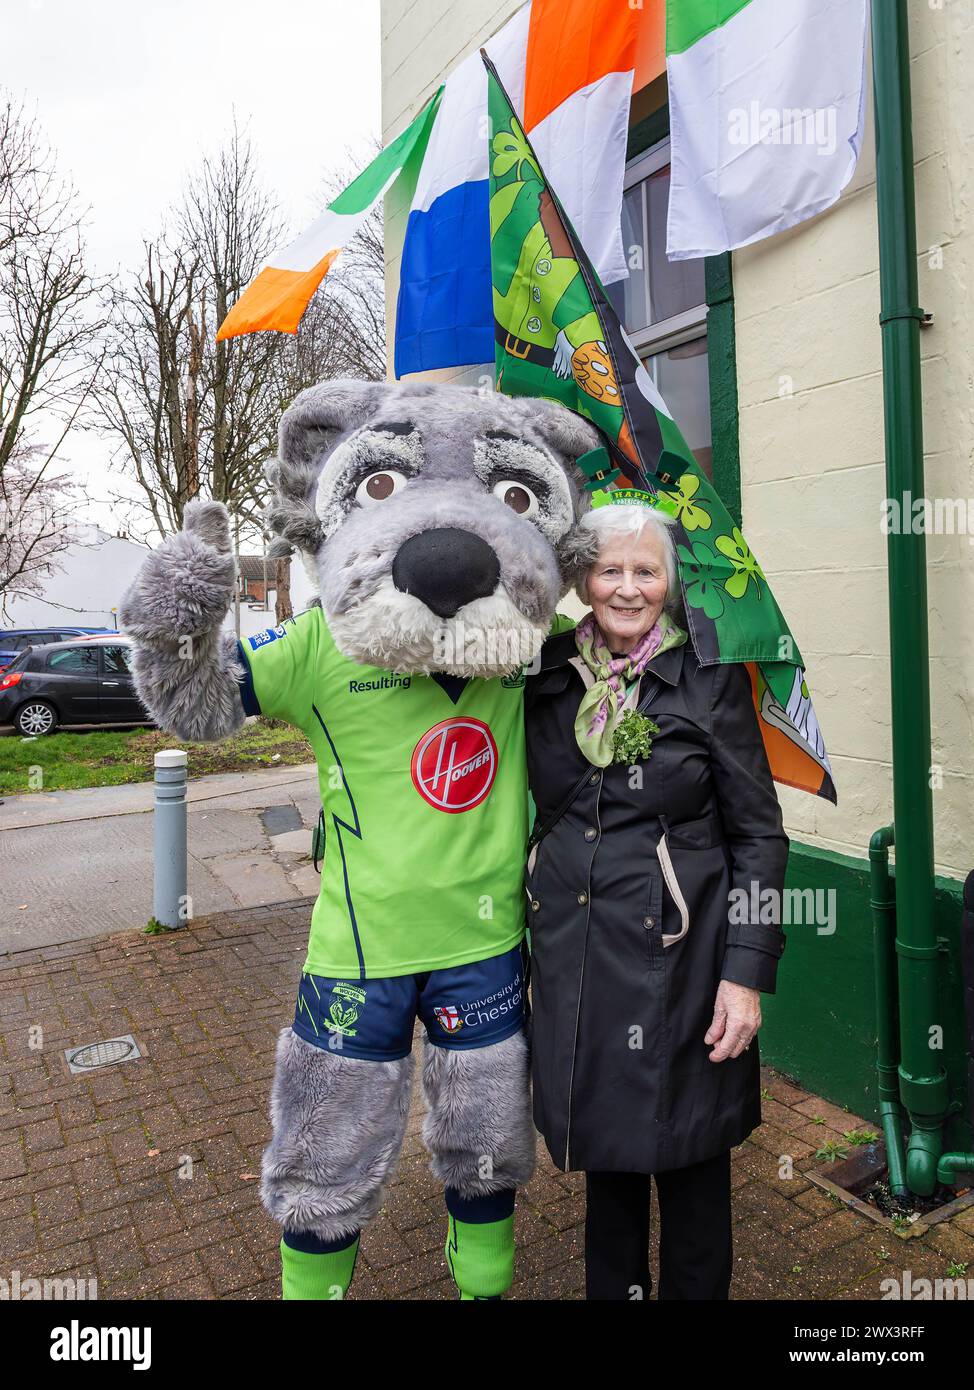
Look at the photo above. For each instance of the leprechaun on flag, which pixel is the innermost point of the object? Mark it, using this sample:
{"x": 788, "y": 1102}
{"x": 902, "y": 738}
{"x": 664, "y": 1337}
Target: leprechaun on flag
{"x": 557, "y": 336}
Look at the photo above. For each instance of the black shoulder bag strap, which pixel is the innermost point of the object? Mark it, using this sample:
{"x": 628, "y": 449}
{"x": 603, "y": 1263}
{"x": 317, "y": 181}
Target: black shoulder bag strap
{"x": 540, "y": 831}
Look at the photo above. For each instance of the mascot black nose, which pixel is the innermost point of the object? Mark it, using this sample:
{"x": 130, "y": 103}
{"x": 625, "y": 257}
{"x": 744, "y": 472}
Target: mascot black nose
{"x": 446, "y": 568}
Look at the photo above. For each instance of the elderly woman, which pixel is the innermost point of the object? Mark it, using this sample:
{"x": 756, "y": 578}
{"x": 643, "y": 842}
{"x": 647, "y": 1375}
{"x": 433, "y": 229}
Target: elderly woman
{"x": 654, "y": 800}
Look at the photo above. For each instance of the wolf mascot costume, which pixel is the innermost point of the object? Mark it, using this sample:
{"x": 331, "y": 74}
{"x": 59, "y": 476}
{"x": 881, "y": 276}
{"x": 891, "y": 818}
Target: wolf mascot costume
{"x": 438, "y": 524}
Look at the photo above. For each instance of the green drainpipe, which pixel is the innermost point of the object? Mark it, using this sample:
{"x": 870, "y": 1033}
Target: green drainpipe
{"x": 883, "y": 904}
{"x": 923, "y": 1081}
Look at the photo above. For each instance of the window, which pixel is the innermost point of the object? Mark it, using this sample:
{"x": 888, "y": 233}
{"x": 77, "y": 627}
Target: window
{"x": 663, "y": 304}
{"x": 114, "y": 661}
{"x": 74, "y": 661}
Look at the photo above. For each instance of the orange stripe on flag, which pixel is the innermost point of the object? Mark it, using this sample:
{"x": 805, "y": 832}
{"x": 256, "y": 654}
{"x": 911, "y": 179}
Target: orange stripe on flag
{"x": 790, "y": 765}
{"x": 276, "y": 299}
{"x": 572, "y": 43}
{"x": 651, "y": 44}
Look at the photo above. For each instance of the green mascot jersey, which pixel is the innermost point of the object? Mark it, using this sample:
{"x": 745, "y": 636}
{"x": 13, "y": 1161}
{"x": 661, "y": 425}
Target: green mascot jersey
{"x": 424, "y": 797}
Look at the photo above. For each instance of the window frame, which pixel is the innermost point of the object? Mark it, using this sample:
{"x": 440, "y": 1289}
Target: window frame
{"x": 678, "y": 328}
{"x": 646, "y": 139}
{"x": 103, "y": 669}
{"x": 52, "y": 664}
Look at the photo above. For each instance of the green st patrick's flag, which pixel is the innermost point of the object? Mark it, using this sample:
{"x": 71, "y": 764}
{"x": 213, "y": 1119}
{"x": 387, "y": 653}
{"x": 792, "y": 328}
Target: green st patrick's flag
{"x": 557, "y": 336}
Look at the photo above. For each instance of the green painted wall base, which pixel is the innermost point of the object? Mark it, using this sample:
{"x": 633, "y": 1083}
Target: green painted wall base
{"x": 820, "y": 1025}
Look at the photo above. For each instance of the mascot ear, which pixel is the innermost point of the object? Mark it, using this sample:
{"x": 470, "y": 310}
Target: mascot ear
{"x": 309, "y": 429}
{"x": 323, "y": 412}
{"x": 564, "y": 431}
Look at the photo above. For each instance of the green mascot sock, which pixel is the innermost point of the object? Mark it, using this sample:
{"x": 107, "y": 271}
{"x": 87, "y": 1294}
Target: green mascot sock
{"x": 480, "y": 1243}
{"x": 316, "y": 1269}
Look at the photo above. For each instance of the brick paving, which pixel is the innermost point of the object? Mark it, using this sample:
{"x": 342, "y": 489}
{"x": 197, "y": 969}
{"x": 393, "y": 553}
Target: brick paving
{"x": 145, "y": 1175}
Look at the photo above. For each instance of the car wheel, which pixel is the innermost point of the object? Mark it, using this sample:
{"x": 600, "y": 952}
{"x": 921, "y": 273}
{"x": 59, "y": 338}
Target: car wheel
{"x": 37, "y": 717}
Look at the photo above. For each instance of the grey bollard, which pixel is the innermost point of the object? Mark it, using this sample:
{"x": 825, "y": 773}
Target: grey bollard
{"x": 170, "y": 900}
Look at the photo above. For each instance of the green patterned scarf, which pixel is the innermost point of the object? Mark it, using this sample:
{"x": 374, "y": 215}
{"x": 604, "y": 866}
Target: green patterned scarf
{"x": 603, "y": 704}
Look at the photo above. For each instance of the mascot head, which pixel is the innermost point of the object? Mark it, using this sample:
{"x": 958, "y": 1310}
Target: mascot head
{"x": 438, "y": 523}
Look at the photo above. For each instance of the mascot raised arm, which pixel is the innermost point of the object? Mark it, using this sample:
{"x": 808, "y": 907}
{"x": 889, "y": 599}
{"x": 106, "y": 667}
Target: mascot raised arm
{"x": 438, "y": 524}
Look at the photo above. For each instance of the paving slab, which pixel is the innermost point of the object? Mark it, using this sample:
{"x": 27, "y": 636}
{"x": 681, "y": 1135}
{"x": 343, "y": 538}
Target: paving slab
{"x": 80, "y": 863}
{"x": 144, "y": 1176}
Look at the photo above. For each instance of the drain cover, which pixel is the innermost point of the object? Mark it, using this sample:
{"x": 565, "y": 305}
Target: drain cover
{"x": 102, "y": 1054}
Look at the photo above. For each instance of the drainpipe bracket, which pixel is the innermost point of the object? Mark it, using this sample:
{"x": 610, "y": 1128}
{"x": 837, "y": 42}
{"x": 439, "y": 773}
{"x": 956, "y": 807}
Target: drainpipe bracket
{"x": 913, "y": 311}
{"x": 910, "y": 952}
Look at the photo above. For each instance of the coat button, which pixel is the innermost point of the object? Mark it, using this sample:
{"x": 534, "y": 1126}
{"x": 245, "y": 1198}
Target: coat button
{"x": 535, "y": 905}
{"x": 594, "y": 778}
{"x": 590, "y": 834}
{"x": 583, "y": 898}
{"x": 649, "y": 921}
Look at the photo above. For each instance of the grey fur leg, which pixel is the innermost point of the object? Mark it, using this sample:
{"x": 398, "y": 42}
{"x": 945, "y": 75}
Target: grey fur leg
{"x": 478, "y": 1128}
{"x": 338, "y": 1128}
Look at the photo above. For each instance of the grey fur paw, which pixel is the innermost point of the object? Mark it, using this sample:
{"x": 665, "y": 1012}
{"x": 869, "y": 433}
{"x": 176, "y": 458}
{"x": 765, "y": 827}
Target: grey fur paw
{"x": 211, "y": 522}
{"x": 185, "y": 587}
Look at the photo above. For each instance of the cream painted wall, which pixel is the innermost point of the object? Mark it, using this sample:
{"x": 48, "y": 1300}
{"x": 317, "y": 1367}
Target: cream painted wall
{"x": 812, "y": 462}
{"x": 811, "y": 418}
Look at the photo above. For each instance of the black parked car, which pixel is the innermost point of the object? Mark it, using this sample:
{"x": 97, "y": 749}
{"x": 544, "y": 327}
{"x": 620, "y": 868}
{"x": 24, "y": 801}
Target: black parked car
{"x": 14, "y": 640}
{"x": 73, "y": 682}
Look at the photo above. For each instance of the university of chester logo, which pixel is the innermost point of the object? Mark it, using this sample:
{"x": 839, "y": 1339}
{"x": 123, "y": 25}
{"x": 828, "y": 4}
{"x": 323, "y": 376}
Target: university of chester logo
{"x": 449, "y": 1018}
{"x": 454, "y": 764}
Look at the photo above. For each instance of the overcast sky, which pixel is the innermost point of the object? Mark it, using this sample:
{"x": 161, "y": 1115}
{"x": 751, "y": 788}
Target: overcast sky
{"x": 130, "y": 93}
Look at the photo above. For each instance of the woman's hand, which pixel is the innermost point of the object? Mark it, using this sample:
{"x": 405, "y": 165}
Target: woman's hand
{"x": 737, "y": 1018}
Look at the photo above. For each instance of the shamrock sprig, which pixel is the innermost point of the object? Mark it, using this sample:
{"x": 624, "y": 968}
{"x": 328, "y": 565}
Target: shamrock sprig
{"x": 633, "y": 738}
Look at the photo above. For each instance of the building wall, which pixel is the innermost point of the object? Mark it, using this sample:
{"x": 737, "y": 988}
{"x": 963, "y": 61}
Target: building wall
{"x": 812, "y": 463}
{"x": 811, "y": 419}
{"x": 807, "y": 345}
{"x": 86, "y": 584}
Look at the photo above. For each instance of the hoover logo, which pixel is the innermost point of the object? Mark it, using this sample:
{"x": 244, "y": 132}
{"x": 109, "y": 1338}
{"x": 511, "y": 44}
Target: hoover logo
{"x": 454, "y": 764}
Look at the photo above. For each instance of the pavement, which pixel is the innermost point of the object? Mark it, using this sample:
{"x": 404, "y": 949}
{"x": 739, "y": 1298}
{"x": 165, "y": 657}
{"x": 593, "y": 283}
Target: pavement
{"x": 144, "y": 1175}
{"x": 76, "y": 864}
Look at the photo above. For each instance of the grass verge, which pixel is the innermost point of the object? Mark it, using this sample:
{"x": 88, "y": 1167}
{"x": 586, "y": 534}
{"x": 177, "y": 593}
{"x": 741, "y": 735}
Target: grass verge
{"x": 107, "y": 757}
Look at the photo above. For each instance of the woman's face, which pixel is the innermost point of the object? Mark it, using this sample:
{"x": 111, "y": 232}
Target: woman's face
{"x": 627, "y": 587}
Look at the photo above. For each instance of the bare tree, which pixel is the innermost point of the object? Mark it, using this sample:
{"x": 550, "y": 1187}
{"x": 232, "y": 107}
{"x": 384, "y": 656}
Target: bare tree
{"x": 233, "y": 225}
{"x": 352, "y": 303}
{"x": 149, "y": 389}
{"x": 195, "y": 416}
{"x": 282, "y": 589}
{"x": 51, "y": 313}
{"x": 37, "y": 524}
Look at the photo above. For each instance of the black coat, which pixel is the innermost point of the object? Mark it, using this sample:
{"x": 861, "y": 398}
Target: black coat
{"x": 621, "y": 1073}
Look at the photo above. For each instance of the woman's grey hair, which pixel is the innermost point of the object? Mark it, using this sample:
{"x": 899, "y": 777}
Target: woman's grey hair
{"x": 611, "y": 520}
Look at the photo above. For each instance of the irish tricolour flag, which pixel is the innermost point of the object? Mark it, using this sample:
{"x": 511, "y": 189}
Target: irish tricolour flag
{"x": 568, "y": 66}
{"x": 766, "y": 115}
{"x": 280, "y": 293}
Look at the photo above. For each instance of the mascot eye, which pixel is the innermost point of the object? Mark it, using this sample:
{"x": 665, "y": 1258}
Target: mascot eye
{"x": 377, "y": 487}
{"x": 519, "y": 498}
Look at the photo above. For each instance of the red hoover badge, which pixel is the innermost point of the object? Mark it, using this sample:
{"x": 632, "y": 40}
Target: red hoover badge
{"x": 454, "y": 764}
